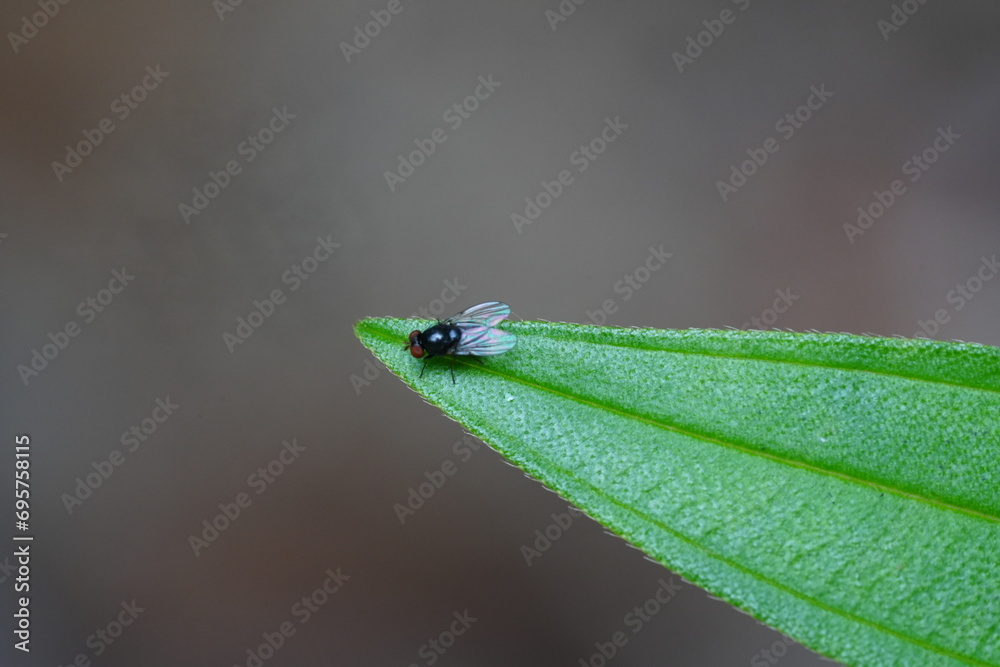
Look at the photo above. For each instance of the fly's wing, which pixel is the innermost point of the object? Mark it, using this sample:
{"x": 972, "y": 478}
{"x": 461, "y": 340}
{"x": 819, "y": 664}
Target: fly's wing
{"x": 487, "y": 314}
{"x": 483, "y": 341}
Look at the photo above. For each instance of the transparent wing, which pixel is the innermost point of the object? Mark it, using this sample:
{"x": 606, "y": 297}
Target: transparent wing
{"x": 483, "y": 341}
{"x": 487, "y": 314}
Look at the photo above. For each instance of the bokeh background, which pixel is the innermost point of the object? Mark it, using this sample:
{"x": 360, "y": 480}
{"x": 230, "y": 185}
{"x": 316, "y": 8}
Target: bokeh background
{"x": 447, "y": 228}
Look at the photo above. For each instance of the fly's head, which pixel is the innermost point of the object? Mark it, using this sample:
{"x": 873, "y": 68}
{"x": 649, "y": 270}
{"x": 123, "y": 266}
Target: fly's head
{"x": 415, "y": 345}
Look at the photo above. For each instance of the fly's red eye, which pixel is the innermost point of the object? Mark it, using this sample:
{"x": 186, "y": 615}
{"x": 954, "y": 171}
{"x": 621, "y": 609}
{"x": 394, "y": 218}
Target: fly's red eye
{"x": 413, "y": 336}
{"x": 417, "y": 351}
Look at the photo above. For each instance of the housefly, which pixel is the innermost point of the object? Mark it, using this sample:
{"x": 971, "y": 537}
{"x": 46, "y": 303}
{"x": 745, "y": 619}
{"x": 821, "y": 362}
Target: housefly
{"x": 471, "y": 332}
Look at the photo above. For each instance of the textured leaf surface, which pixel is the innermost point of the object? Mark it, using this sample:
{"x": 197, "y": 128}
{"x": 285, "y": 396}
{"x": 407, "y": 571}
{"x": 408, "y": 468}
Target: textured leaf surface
{"x": 842, "y": 489}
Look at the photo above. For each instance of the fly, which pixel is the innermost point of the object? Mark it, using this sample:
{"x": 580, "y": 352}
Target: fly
{"x": 471, "y": 332}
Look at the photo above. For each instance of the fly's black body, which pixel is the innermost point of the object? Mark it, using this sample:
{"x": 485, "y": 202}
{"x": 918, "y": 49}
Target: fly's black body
{"x": 472, "y": 332}
{"x": 436, "y": 341}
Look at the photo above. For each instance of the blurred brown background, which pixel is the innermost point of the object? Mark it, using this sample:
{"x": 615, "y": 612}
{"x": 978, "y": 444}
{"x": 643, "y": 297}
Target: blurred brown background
{"x": 344, "y": 121}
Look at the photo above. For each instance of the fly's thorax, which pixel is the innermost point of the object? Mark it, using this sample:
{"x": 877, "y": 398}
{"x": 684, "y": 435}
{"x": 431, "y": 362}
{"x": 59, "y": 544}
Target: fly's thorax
{"x": 440, "y": 339}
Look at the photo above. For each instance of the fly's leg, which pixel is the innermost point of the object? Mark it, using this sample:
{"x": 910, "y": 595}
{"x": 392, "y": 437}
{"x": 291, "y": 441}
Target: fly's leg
{"x": 453, "y": 370}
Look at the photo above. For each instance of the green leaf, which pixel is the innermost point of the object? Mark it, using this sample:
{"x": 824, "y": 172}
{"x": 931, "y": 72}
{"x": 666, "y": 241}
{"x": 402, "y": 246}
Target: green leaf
{"x": 843, "y": 489}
